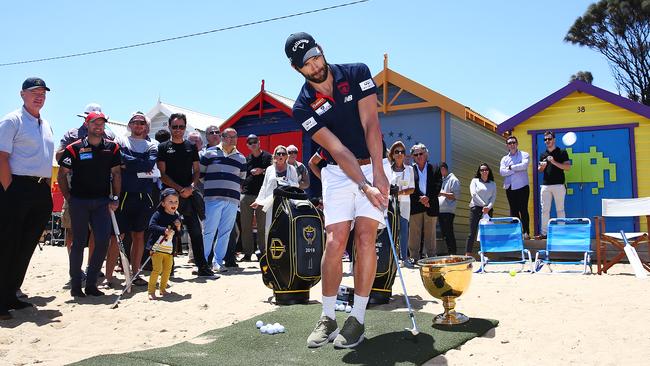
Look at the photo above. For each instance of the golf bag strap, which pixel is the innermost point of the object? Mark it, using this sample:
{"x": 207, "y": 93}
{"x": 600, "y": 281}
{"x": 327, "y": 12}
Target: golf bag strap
{"x": 290, "y": 192}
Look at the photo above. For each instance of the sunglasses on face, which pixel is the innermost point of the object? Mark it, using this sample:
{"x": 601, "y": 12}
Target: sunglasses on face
{"x": 293, "y": 153}
{"x": 398, "y": 152}
{"x": 213, "y": 132}
{"x": 280, "y": 154}
{"x": 548, "y": 138}
{"x": 511, "y": 142}
{"x": 251, "y": 142}
{"x": 417, "y": 154}
{"x": 178, "y": 127}
{"x": 485, "y": 170}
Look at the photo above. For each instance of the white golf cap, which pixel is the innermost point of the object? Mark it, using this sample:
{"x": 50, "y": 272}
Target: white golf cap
{"x": 90, "y": 107}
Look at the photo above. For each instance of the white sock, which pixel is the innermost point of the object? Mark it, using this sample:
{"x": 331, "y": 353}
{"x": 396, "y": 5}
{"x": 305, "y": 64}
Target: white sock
{"x": 359, "y": 308}
{"x": 329, "y": 306}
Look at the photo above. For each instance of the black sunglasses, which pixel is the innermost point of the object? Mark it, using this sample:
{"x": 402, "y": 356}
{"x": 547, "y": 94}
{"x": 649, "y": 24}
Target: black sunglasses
{"x": 280, "y": 154}
{"x": 252, "y": 142}
{"x": 485, "y": 170}
{"x": 178, "y": 127}
{"x": 511, "y": 142}
{"x": 418, "y": 154}
{"x": 397, "y": 152}
{"x": 213, "y": 132}
{"x": 548, "y": 138}
{"x": 293, "y": 153}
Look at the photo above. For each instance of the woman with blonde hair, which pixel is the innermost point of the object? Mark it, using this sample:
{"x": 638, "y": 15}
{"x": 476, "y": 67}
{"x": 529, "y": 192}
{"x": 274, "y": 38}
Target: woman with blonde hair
{"x": 404, "y": 179}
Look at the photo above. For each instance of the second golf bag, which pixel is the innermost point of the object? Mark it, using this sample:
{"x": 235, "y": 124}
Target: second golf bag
{"x": 294, "y": 248}
{"x": 386, "y": 266}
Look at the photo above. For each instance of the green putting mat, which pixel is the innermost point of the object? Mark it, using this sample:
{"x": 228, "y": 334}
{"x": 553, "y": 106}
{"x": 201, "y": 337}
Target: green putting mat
{"x": 387, "y": 342}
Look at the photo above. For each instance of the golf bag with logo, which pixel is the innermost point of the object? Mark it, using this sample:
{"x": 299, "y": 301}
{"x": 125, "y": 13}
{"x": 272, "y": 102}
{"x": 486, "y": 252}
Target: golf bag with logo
{"x": 294, "y": 248}
{"x": 386, "y": 266}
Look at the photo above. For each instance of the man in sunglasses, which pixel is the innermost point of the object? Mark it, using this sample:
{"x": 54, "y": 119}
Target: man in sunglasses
{"x": 552, "y": 163}
{"x": 514, "y": 170}
{"x": 135, "y": 201}
{"x": 256, "y": 163}
{"x": 303, "y": 174}
{"x": 337, "y": 108}
{"x": 178, "y": 162}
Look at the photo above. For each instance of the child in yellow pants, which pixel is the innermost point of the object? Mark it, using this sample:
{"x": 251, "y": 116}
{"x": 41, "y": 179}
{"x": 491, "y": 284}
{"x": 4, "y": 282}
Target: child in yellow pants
{"x": 164, "y": 224}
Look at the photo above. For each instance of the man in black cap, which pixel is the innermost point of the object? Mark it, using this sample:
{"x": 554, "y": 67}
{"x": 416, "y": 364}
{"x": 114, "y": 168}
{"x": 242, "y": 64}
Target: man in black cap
{"x": 337, "y": 107}
{"x": 256, "y": 163}
{"x": 26, "y": 150}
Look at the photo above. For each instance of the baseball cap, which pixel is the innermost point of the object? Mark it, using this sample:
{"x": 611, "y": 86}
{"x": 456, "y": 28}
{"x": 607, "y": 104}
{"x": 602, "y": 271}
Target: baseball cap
{"x": 95, "y": 115}
{"x": 33, "y": 83}
{"x": 90, "y": 107}
{"x": 300, "y": 47}
{"x": 138, "y": 116}
{"x": 292, "y": 148}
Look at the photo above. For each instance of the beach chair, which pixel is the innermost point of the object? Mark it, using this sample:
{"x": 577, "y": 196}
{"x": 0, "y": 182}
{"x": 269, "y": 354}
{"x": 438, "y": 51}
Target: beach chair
{"x": 502, "y": 235}
{"x": 629, "y": 207}
{"x": 567, "y": 236}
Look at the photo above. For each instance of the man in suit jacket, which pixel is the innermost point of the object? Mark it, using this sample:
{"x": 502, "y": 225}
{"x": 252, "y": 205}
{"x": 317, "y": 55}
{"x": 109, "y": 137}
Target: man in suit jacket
{"x": 424, "y": 203}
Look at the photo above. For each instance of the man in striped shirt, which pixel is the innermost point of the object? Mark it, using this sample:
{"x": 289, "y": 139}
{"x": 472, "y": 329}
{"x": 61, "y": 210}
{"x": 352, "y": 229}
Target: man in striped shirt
{"x": 223, "y": 169}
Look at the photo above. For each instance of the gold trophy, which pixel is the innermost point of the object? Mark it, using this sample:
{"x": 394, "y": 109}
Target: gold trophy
{"x": 446, "y": 278}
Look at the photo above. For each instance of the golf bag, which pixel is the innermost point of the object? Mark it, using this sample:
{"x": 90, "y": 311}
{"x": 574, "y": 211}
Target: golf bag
{"x": 294, "y": 248}
{"x": 386, "y": 266}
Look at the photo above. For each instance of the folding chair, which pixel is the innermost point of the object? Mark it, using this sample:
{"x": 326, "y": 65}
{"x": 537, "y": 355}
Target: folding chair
{"x": 566, "y": 236}
{"x": 631, "y": 207}
{"x": 502, "y": 235}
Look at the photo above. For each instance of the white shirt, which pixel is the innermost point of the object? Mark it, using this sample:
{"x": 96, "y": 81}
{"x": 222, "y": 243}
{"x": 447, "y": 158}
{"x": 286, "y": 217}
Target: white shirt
{"x": 422, "y": 183}
{"x": 404, "y": 180}
{"x": 28, "y": 140}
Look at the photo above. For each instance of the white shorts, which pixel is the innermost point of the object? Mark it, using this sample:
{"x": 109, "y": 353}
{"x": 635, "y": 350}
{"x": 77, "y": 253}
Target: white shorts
{"x": 342, "y": 200}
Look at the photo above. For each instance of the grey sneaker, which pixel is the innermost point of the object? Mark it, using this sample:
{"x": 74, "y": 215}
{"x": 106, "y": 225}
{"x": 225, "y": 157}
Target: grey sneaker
{"x": 326, "y": 330}
{"x": 351, "y": 334}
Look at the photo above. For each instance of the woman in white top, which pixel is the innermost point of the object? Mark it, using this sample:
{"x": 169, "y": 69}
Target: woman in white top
{"x": 483, "y": 194}
{"x": 278, "y": 173}
{"x": 402, "y": 177}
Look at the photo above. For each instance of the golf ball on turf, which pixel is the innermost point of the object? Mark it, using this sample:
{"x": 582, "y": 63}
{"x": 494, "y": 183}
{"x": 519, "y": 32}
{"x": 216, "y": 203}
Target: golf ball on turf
{"x": 264, "y": 329}
{"x": 513, "y": 272}
{"x": 348, "y": 309}
{"x": 271, "y": 330}
{"x": 259, "y": 324}
{"x": 281, "y": 328}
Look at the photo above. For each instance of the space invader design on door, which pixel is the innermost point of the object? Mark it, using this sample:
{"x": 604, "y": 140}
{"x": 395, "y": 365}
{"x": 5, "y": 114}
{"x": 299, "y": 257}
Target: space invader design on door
{"x": 589, "y": 167}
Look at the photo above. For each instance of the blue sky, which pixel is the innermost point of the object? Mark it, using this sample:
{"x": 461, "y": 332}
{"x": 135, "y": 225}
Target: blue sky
{"x": 497, "y": 57}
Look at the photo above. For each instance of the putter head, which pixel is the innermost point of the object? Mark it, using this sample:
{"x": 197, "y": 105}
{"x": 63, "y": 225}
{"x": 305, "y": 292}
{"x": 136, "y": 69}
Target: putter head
{"x": 114, "y": 306}
{"x": 413, "y": 331}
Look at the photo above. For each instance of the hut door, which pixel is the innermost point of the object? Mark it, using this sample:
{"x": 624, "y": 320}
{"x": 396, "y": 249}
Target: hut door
{"x": 600, "y": 168}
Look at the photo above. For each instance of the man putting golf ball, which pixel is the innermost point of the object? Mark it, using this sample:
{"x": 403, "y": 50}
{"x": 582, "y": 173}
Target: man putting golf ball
{"x": 337, "y": 107}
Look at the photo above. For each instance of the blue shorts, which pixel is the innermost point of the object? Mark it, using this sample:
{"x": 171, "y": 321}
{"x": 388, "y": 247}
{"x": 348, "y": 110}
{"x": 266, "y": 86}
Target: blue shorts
{"x": 134, "y": 211}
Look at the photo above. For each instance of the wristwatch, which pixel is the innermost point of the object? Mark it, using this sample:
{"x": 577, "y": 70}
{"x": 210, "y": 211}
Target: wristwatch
{"x": 114, "y": 198}
{"x": 363, "y": 184}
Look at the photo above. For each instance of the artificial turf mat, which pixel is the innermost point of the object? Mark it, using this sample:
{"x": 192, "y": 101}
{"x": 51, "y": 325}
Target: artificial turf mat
{"x": 387, "y": 342}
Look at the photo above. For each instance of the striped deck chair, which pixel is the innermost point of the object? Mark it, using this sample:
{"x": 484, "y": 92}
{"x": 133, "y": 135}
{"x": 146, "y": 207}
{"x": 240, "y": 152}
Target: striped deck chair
{"x": 567, "y": 235}
{"x": 502, "y": 235}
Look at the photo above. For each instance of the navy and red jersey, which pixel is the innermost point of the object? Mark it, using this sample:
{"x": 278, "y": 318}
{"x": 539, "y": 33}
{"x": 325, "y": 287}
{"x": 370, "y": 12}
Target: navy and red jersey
{"x": 91, "y": 167}
{"x": 339, "y": 112}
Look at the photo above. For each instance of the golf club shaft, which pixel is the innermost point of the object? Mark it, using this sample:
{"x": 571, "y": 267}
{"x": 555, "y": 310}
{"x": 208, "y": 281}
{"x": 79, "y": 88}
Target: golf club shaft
{"x": 129, "y": 281}
{"x": 401, "y": 278}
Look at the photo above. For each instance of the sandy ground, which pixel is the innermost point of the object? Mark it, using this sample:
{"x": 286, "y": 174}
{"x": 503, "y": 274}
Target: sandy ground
{"x": 562, "y": 319}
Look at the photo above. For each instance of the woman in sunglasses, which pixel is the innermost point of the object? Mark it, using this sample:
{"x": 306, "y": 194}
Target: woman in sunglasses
{"x": 483, "y": 194}
{"x": 404, "y": 179}
{"x": 279, "y": 173}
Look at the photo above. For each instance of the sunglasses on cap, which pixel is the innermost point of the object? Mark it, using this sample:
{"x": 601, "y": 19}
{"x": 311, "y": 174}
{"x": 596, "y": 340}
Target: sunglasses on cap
{"x": 178, "y": 127}
{"x": 213, "y": 132}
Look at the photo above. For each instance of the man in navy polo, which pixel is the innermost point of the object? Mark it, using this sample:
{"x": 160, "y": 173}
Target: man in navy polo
{"x": 95, "y": 166}
{"x": 26, "y": 149}
{"x": 337, "y": 107}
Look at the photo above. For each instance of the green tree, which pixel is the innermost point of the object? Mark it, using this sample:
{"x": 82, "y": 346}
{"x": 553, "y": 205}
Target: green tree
{"x": 620, "y": 30}
{"x": 583, "y": 76}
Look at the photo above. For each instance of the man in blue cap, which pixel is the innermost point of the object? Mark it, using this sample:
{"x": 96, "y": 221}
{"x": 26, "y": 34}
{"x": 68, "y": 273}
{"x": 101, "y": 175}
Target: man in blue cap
{"x": 26, "y": 151}
{"x": 337, "y": 108}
